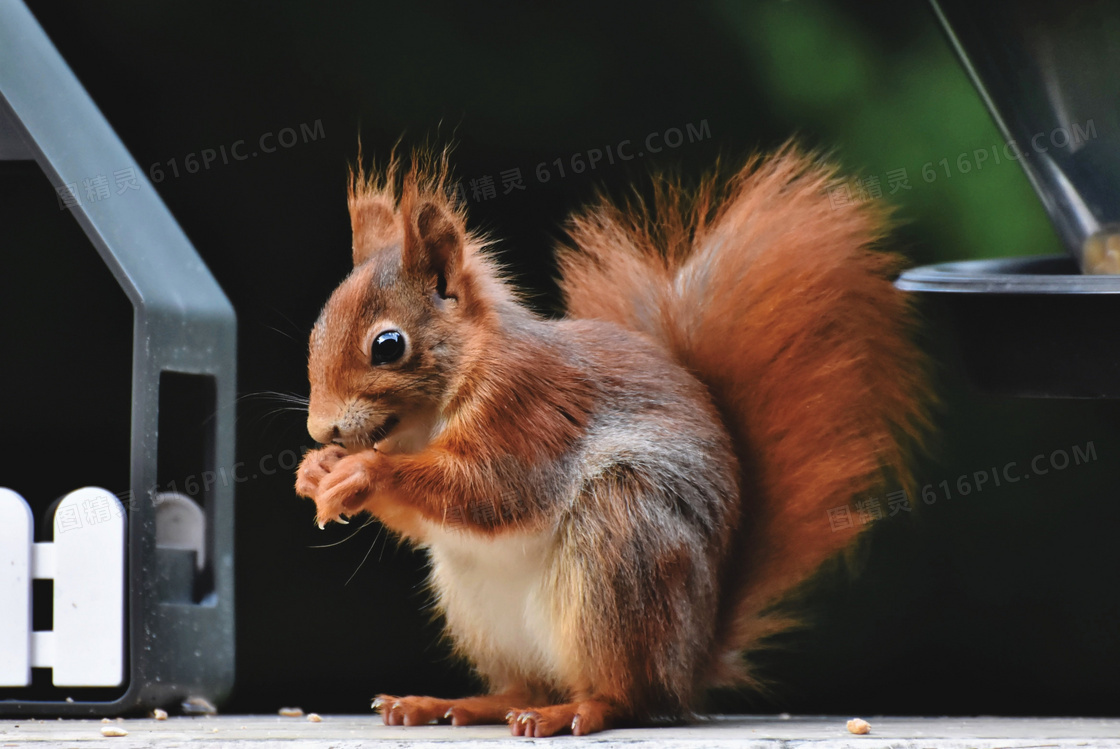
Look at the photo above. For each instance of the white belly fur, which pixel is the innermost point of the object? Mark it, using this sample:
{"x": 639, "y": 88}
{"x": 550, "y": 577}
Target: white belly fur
{"x": 494, "y": 592}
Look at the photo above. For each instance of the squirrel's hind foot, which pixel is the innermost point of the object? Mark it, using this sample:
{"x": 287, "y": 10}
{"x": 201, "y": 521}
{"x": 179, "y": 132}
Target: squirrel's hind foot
{"x": 578, "y": 718}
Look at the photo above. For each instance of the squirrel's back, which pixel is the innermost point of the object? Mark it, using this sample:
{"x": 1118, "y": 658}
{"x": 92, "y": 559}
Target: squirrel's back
{"x": 778, "y": 302}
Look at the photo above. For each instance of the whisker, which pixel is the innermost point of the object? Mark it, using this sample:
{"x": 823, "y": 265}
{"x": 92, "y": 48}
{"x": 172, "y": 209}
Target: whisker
{"x": 284, "y": 333}
{"x": 283, "y": 402}
{"x": 285, "y": 409}
{"x": 299, "y": 330}
{"x": 276, "y": 396}
{"x": 381, "y": 556}
{"x": 368, "y": 551}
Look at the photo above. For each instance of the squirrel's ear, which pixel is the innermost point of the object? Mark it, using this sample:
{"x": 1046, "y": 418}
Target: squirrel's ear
{"x": 375, "y": 226}
{"x": 433, "y": 247}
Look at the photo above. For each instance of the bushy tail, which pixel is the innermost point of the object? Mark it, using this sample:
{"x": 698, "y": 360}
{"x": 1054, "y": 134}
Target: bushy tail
{"x": 777, "y": 301}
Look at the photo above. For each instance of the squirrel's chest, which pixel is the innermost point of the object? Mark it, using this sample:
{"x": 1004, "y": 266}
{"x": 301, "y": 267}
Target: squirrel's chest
{"x": 495, "y": 593}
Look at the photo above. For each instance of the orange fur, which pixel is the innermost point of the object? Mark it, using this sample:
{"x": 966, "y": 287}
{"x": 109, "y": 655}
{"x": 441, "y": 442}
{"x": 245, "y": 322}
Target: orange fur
{"x": 614, "y": 502}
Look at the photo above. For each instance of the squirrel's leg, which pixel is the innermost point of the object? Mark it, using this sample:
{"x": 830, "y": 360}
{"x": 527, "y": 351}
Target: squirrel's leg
{"x": 467, "y": 711}
{"x": 636, "y": 594}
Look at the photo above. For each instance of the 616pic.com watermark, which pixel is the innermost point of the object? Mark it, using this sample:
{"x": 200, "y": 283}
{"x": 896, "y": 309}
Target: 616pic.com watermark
{"x": 100, "y": 509}
{"x": 481, "y": 188}
{"x": 967, "y": 162}
{"x": 866, "y": 510}
{"x": 99, "y": 187}
{"x": 239, "y": 150}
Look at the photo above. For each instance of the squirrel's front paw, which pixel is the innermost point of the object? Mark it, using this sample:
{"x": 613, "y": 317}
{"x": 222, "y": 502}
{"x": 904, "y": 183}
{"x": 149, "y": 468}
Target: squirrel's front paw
{"x": 315, "y": 466}
{"x": 345, "y": 487}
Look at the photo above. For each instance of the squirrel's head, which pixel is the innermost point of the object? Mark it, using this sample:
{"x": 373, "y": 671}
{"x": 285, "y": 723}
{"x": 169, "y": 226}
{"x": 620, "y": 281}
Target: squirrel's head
{"x": 387, "y": 353}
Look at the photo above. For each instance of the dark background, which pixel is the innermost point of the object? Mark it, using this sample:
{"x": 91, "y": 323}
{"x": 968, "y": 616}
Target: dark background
{"x": 1002, "y": 601}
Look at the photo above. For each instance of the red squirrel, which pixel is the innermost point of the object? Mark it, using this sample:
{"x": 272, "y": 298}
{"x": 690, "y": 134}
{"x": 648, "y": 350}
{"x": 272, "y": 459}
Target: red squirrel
{"x": 613, "y": 502}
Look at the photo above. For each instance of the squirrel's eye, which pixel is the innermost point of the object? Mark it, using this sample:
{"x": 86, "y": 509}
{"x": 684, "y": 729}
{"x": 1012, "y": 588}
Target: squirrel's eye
{"x": 387, "y": 347}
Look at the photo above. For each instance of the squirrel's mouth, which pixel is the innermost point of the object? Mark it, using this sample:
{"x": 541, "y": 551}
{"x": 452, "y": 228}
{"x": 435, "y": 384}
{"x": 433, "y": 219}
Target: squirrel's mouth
{"x": 383, "y": 431}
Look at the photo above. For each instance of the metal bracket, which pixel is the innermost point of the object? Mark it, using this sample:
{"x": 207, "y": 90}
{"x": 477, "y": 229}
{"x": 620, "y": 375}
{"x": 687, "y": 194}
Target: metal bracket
{"x": 184, "y": 328}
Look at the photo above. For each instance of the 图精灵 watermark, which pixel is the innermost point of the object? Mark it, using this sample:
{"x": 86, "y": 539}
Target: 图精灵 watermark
{"x": 485, "y": 187}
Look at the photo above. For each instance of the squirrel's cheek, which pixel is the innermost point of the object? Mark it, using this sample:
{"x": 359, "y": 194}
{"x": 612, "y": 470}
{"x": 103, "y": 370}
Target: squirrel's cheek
{"x": 398, "y": 443}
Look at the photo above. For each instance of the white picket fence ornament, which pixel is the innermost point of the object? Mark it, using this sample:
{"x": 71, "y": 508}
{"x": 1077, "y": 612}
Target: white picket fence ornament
{"x": 86, "y": 560}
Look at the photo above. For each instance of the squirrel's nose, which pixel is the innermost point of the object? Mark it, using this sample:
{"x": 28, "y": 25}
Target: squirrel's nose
{"x": 322, "y": 431}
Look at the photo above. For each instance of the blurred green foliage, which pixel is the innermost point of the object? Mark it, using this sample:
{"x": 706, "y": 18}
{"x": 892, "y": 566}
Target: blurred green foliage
{"x": 890, "y": 106}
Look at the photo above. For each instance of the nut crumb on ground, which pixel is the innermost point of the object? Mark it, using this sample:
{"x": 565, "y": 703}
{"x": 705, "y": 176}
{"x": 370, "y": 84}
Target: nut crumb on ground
{"x": 859, "y": 726}
{"x": 113, "y": 731}
{"x": 291, "y": 712}
{"x": 198, "y": 706}
{"x": 159, "y": 714}
{"x": 314, "y": 718}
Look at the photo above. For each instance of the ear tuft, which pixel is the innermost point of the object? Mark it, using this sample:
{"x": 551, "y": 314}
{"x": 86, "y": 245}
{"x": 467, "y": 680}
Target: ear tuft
{"x": 375, "y": 226}
{"x": 371, "y": 197}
